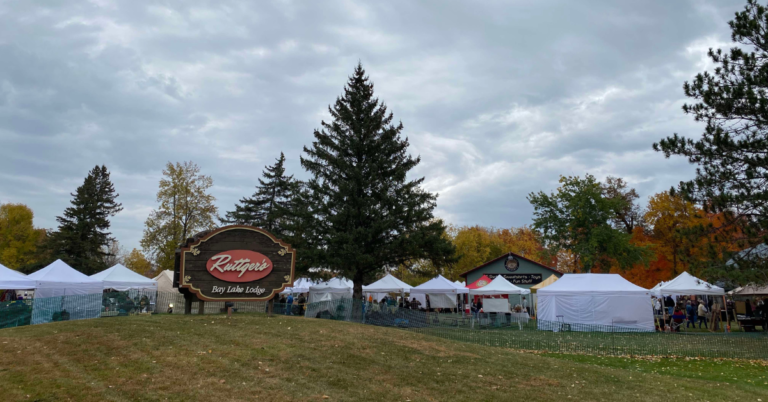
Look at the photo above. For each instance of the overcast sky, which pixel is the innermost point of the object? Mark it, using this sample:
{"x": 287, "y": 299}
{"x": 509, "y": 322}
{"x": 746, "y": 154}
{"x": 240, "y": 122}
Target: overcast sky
{"x": 498, "y": 98}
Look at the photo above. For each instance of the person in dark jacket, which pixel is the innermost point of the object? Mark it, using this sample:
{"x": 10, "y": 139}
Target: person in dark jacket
{"x": 689, "y": 312}
{"x": 669, "y": 303}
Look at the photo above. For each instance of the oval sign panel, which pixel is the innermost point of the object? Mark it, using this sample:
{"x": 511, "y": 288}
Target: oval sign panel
{"x": 239, "y": 266}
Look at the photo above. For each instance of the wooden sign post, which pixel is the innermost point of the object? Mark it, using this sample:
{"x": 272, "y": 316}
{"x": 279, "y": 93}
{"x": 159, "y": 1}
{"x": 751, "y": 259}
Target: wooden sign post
{"x": 233, "y": 263}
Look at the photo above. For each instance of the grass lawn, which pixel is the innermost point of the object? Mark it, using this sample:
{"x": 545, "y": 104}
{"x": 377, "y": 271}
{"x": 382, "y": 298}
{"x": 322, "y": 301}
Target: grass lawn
{"x": 691, "y": 344}
{"x": 252, "y": 357}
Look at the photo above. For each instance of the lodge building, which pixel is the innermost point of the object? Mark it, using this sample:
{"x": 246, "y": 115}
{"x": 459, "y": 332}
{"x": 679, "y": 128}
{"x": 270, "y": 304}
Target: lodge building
{"x": 515, "y": 268}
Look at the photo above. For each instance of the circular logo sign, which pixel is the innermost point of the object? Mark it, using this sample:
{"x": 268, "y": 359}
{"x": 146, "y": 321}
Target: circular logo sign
{"x": 239, "y": 266}
{"x": 481, "y": 283}
{"x": 512, "y": 264}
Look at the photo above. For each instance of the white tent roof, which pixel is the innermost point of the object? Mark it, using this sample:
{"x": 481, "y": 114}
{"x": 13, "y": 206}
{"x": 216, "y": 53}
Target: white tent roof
{"x": 460, "y": 283}
{"x": 334, "y": 285}
{"x": 686, "y": 284}
{"x": 438, "y": 285}
{"x": 165, "y": 281}
{"x": 300, "y": 285}
{"x": 59, "y": 279}
{"x": 750, "y": 290}
{"x": 13, "y": 280}
{"x": 499, "y": 286}
{"x": 388, "y": 284}
{"x": 121, "y": 278}
{"x": 596, "y": 284}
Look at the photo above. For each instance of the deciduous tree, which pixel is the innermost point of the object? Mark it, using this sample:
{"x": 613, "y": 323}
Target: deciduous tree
{"x": 19, "y": 239}
{"x": 629, "y": 215}
{"x": 669, "y": 218}
{"x": 137, "y": 262}
{"x": 578, "y": 218}
{"x": 185, "y": 209}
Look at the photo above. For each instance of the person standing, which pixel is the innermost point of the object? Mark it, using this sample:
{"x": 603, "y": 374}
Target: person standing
{"x": 289, "y": 304}
{"x": 657, "y": 306}
{"x": 702, "y": 315}
{"x": 669, "y": 303}
{"x": 689, "y": 313}
{"x": 302, "y": 302}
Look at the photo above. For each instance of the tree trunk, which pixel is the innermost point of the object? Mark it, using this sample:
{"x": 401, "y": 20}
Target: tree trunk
{"x": 357, "y": 286}
{"x": 357, "y": 297}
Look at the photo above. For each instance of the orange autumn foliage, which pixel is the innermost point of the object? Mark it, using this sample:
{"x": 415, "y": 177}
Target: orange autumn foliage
{"x": 659, "y": 269}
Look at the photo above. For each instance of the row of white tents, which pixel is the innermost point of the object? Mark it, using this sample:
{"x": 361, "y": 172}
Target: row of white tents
{"x": 589, "y": 299}
{"x": 59, "y": 279}
{"x": 593, "y": 301}
{"x": 441, "y": 291}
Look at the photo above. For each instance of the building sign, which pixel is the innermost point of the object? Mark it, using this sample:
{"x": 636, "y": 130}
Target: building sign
{"x": 511, "y": 264}
{"x": 237, "y": 263}
{"x": 520, "y": 279}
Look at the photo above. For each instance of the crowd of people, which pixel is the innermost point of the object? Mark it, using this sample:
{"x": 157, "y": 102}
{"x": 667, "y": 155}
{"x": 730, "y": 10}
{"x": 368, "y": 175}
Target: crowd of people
{"x": 293, "y": 306}
{"x": 693, "y": 310}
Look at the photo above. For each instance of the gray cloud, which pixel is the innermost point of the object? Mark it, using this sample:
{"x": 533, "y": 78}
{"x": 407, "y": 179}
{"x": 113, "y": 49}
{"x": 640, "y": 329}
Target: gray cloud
{"x": 498, "y": 98}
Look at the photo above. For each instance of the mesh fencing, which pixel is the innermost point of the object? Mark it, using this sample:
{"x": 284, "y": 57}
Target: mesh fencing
{"x": 516, "y": 331}
{"x": 109, "y": 304}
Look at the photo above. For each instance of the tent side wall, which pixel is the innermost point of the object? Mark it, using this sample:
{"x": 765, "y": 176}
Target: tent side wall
{"x": 630, "y": 312}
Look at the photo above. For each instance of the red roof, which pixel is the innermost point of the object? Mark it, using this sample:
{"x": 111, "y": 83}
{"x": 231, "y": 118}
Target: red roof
{"x": 484, "y": 280}
{"x": 464, "y": 275}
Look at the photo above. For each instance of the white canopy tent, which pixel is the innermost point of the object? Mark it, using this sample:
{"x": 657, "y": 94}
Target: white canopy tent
{"x": 300, "y": 285}
{"x": 442, "y": 292}
{"x": 165, "y": 281}
{"x": 166, "y": 293}
{"x": 332, "y": 293}
{"x": 14, "y": 280}
{"x": 499, "y": 286}
{"x": 686, "y": 284}
{"x": 121, "y": 278}
{"x": 459, "y": 283}
{"x": 57, "y": 280}
{"x": 333, "y": 289}
{"x": 596, "y": 302}
{"x": 387, "y": 284}
{"x": 751, "y": 290}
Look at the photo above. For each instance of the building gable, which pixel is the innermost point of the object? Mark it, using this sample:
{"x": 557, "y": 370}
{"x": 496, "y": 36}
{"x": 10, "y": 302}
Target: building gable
{"x": 527, "y": 274}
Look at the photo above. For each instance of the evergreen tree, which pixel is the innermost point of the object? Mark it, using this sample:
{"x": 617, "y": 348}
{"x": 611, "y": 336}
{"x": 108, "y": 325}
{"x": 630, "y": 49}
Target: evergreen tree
{"x": 82, "y": 239}
{"x": 268, "y": 207}
{"x": 366, "y": 216}
{"x": 732, "y": 177}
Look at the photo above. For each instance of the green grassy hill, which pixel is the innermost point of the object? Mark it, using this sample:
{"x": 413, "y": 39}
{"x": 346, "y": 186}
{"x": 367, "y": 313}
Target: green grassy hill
{"x": 252, "y": 357}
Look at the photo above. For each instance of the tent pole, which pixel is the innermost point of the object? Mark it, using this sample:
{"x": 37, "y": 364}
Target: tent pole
{"x": 727, "y": 320}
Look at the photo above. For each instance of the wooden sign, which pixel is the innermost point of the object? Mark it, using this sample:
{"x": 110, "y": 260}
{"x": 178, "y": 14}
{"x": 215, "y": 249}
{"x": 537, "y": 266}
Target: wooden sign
{"x": 236, "y": 263}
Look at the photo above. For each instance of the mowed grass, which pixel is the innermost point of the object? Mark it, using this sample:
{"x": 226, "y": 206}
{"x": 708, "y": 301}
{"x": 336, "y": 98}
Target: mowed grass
{"x": 252, "y": 357}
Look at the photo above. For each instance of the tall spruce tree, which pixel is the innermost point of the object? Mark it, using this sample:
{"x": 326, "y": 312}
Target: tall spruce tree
{"x": 732, "y": 177}
{"x": 366, "y": 214}
{"x": 82, "y": 239}
{"x": 268, "y": 207}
